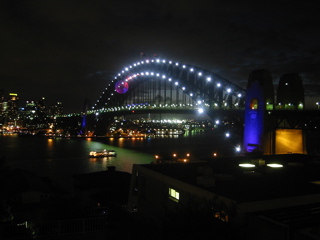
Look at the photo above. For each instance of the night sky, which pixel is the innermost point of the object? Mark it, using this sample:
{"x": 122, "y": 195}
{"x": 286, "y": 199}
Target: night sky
{"x": 68, "y": 50}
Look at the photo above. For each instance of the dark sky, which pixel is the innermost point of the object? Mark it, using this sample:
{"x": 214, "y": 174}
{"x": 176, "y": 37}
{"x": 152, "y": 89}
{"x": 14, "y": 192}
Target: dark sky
{"x": 68, "y": 50}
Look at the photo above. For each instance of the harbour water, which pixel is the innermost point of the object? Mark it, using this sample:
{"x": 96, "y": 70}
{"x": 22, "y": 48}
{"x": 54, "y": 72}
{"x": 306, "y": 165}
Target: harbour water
{"x": 60, "y": 158}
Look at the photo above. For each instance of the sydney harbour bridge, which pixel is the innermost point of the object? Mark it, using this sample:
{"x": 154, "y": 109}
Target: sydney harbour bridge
{"x": 160, "y": 86}
{"x": 160, "y": 83}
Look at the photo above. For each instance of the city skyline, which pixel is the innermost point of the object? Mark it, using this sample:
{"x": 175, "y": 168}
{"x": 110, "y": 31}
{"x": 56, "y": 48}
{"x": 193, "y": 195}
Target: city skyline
{"x": 70, "y": 51}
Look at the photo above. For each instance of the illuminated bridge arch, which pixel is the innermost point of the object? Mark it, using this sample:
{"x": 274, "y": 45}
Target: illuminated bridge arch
{"x": 159, "y": 83}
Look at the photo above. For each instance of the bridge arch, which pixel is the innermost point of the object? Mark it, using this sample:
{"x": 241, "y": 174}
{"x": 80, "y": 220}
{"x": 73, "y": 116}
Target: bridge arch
{"x": 161, "y": 83}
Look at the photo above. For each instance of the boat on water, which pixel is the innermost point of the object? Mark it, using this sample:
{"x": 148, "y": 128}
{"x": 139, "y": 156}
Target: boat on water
{"x": 103, "y": 153}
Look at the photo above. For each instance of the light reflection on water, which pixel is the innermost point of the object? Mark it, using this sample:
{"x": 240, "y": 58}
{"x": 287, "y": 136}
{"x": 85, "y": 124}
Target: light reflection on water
{"x": 60, "y": 158}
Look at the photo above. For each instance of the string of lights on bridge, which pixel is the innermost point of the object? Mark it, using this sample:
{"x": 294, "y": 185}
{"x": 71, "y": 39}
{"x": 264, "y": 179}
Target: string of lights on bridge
{"x": 200, "y": 103}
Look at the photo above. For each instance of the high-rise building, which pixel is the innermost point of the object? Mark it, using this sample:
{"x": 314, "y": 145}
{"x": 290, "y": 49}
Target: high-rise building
{"x": 30, "y": 111}
{"x": 41, "y": 109}
{"x": 12, "y": 109}
{"x": 58, "y": 108}
{"x": 55, "y": 110}
{"x": 1, "y": 101}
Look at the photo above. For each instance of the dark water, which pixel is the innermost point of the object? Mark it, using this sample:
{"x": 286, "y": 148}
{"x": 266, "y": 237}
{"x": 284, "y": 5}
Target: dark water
{"x": 60, "y": 158}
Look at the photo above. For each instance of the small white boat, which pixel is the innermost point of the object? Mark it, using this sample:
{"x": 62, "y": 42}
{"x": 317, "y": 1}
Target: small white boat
{"x": 103, "y": 153}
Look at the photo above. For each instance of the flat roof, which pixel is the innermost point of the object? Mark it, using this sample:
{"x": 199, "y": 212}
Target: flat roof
{"x": 297, "y": 175}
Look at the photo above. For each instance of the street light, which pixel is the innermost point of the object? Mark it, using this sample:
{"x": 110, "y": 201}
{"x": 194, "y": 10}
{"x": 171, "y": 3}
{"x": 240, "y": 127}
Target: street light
{"x": 317, "y": 103}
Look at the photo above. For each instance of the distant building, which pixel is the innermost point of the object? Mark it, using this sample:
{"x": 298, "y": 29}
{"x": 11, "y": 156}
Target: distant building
{"x": 13, "y": 106}
{"x": 248, "y": 193}
{"x": 41, "y": 109}
{"x": 55, "y": 110}
{"x": 2, "y": 98}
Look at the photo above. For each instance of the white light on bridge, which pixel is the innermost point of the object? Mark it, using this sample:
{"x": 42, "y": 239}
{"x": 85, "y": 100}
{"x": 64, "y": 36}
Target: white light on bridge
{"x": 184, "y": 66}
{"x": 191, "y": 69}
{"x": 163, "y": 76}
{"x": 200, "y": 73}
{"x": 239, "y": 95}
{"x": 169, "y": 79}
{"x": 228, "y": 90}
{"x": 177, "y": 64}
{"x": 176, "y": 83}
{"x": 157, "y": 60}
{"x": 227, "y": 134}
{"x": 208, "y": 79}
{"x": 218, "y": 84}
{"x": 191, "y": 94}
{"x": 183, "y": 88}
{"x": 199, "y": 101}
{"x": 200, "y": 110}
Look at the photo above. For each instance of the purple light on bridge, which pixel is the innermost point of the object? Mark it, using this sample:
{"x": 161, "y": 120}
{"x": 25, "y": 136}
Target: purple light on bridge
{"x": 122, "y": 87}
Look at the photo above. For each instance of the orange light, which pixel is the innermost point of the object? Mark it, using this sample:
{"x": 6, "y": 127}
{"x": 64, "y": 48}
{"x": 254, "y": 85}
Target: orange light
{"x": 174, "y": 155}
{"x": 214, "y": 154}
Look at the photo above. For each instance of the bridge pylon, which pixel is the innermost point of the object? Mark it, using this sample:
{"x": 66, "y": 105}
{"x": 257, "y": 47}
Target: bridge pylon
{"x": 262, "y": 132}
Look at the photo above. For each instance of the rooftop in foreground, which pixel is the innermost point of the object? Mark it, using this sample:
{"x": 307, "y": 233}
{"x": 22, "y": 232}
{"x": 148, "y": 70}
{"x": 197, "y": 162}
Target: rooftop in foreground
{"x": 254, "y": 178}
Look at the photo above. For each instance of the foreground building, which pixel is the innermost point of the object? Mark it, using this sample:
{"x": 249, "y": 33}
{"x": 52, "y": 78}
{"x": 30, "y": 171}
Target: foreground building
{"x": 263, "y": 197}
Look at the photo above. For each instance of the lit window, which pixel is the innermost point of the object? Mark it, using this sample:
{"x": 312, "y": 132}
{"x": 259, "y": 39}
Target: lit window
{"x": 254, "y": 103}
{"x": 173, "y": 194}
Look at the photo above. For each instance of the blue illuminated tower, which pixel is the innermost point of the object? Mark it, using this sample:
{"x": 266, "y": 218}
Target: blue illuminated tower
{"x": 259, "y": 99}
{"x": 86, "y": 107}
